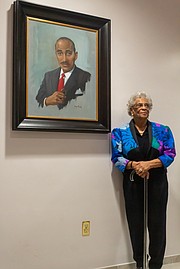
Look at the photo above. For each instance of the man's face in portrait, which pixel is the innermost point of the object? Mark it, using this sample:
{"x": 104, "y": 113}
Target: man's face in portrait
{"x": 65, "y": 54}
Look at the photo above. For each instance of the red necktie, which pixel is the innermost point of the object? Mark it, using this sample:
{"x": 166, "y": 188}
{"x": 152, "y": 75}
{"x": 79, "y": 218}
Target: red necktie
{"x": 61, "y": 82}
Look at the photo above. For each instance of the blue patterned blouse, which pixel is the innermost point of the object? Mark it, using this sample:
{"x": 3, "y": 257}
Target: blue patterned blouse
{"x": 125, "y": 143}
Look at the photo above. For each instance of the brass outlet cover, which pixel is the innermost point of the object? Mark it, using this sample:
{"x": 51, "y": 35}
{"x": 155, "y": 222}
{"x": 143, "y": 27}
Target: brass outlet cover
{"x": 86, "y": 228}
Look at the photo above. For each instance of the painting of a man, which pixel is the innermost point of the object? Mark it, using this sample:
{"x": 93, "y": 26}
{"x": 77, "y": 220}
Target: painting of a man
{"x": 66, "y": 82}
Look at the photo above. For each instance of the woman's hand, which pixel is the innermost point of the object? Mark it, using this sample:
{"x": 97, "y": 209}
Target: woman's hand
{"x": 141, "y": 169}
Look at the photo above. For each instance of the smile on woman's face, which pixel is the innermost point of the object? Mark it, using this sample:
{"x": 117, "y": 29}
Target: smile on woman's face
{"x": 141, "y": 108}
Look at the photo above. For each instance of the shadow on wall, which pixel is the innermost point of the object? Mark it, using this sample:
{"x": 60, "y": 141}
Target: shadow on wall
{"x": 117, "y": 179}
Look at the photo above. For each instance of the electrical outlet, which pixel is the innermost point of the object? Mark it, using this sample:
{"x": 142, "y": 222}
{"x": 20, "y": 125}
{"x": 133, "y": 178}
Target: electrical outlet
{"x": 85, "y": 228}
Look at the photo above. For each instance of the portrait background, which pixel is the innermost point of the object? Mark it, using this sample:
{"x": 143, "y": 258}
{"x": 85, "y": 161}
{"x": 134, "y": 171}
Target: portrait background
{"x": 41, "y": 58}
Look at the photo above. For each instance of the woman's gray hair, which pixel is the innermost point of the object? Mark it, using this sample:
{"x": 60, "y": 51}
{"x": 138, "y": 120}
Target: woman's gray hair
{"x": 133, "y": 98}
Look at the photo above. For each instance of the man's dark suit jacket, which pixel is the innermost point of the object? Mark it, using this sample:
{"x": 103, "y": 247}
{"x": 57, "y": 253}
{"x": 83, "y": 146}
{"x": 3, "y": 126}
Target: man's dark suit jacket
{"x": 76, "y": 81}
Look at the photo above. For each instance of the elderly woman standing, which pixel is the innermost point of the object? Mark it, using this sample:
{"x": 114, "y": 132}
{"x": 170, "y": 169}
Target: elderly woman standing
{"x": 144, "y": 149}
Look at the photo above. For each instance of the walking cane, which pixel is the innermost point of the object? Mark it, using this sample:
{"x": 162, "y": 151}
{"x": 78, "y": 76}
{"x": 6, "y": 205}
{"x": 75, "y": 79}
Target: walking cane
{"x": 145, "y": 256}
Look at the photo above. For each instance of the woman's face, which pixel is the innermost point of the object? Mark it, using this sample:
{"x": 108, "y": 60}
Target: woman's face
{"x": 141, "y": 108}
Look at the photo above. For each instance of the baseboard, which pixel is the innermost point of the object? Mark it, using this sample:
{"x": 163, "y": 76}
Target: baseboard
{"x": 167, "y": 260}
{"x": 120, "y": 266}
{"x": 171, "y": 259}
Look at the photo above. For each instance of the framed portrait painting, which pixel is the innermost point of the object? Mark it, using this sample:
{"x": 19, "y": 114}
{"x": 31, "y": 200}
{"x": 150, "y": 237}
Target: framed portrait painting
{"x": 61, "y": 70}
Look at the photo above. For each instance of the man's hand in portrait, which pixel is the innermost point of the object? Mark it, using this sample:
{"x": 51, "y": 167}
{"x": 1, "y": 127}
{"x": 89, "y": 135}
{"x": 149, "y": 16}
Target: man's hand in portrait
{"x": 55, "y": 99}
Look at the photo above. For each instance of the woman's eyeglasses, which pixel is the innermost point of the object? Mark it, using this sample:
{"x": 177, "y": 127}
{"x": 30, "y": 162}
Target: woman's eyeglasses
{"x": 140, "y": 105}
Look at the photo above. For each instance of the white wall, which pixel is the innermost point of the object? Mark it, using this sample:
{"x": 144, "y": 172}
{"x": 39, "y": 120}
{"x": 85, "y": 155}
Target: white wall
{"x": 51, "y": 182}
